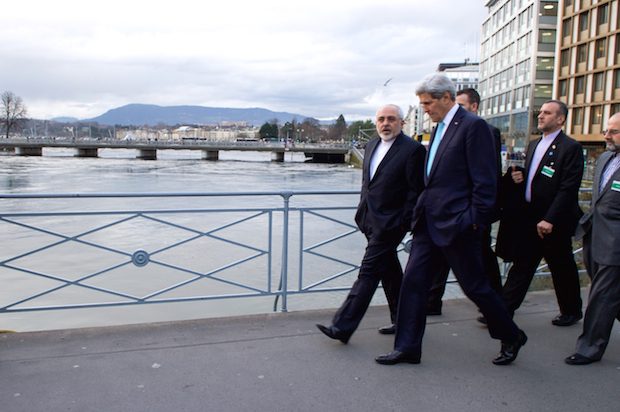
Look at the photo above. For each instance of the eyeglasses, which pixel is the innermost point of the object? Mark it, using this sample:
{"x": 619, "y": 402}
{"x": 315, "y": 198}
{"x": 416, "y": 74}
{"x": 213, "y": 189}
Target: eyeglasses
{"x": 612, "y": 132}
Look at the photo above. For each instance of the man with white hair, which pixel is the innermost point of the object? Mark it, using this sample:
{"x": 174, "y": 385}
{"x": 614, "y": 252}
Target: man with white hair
{"x": 450, "y": 216}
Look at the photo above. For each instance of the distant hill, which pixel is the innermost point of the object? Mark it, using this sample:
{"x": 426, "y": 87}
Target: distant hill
{"x": 152, "y": 115}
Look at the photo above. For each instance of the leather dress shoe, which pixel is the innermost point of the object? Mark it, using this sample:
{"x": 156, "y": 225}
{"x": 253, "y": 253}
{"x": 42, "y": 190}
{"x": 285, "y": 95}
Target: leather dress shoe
{"x": 388, "y": 330}
{"x": 577, "y": 359}
{"x": 334, "y": 333}
{"x": 509, "y": 351}
{"x": 395, "y": 357}
{"x": 566, "y": 320}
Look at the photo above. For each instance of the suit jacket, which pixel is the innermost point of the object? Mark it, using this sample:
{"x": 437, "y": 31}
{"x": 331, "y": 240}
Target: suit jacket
{"x": 387, "y": 201}
{"x": 461, "y": 187}
{"x": 497, "y": 140}
{"x": 511, "y": 204}
{"x": 555, "y": 186}
{"x": 602, "y": 221}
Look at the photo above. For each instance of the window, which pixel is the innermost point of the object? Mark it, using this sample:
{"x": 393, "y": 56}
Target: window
{"x": 616, "y": 79}
{"x": 582, "y": 53}
{"x": 548, "y": 8}
{"x": 542, "y": 90}
{"x": 518, "y": 97}
{"x": 596, "y": 114}
{"x": 599, "y": 81}
{"x": 565, "y": 57}
{"x": 544, "y": 63}
{"x": 583, "y": 21}
{"x": 567, "y": 26}
{"x": 577, "y": 116}
{"x": 600, "y": 48}
{"x": 547, "y": 36}
{"x": 580, "y": 84}
{"x": 563, "y": 89}
{"x": 603, "y": 14}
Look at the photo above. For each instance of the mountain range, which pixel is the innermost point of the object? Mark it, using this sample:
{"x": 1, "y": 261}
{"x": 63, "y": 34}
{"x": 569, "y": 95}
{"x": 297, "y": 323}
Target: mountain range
{"x": 152, "y": 115}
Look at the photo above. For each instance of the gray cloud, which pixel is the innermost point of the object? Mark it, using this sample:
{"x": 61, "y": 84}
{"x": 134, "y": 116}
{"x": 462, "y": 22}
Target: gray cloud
{"x": 317, "y": 58}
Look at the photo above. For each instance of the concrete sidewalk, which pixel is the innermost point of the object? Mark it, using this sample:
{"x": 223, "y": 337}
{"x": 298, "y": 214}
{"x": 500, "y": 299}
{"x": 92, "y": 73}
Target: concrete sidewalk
{"x": 281, "y": 362}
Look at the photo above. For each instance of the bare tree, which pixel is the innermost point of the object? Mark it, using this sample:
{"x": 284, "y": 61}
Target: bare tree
{"x": 12, "y": 111}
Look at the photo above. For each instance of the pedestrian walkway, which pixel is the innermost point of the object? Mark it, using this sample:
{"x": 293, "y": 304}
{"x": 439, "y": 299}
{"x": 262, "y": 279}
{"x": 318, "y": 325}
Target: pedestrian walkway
{"x": 281, "y": 362}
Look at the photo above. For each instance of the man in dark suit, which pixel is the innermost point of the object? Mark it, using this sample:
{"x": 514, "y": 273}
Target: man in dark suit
{"x": 454, "y": 209}
{"x": 600, "y": 229}
{"x": 553, "y": 170}
{"x": 392, "y": 180}
{"x": 469, "y": 99}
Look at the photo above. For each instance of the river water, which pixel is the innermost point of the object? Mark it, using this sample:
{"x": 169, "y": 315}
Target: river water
{"x": 117, "y": 171}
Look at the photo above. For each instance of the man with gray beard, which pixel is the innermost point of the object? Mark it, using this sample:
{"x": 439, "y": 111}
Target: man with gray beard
{"x": 600, "y": 229}
{"x": 392, "y": 180}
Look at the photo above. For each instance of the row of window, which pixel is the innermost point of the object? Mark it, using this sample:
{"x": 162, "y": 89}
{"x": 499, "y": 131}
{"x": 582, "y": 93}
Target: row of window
{"x": 582, "y": 20}
{"x": 599, "y": 50}
{"x": 580, "y": 86}
{"x": 519, "y": 74}
{"x": 506, "y": 12}
{"x": 596, "y": 115}
{"x": 517, "y": 99}
{"x": 517, "y": 25}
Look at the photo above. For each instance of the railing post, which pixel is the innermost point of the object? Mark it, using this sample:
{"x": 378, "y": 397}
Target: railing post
{"x": 284, "y": 269}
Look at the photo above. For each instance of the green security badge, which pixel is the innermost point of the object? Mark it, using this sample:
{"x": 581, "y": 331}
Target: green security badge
{"x": 547, "y": 171}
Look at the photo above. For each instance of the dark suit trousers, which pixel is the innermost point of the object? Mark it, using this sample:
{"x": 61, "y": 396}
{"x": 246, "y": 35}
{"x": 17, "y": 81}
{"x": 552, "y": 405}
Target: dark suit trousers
{"x": 379, "y": 264}
{"x": 491, "y": 268}
{"x": 602, "y": 310}
{"x": 556, "y": 249}
{"x": 464, "y": 257}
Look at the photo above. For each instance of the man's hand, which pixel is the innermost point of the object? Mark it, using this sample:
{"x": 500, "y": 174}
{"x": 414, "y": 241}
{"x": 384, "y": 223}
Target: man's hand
{"x": 517, "y": 175}
{"x": 544, "y": 228}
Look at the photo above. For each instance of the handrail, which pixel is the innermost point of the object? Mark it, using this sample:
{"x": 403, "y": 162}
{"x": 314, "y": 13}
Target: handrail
{"x": 165, "y": 249}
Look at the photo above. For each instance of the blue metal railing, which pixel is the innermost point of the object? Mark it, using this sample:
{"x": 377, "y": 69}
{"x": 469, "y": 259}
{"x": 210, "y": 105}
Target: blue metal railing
{"x": 160, "y": 250}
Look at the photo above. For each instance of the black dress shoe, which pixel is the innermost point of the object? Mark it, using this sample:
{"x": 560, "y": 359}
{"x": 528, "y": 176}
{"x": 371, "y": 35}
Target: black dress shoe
{"x": 334, "y": 333}
{"x": 509, "y": 351}
{"x": 577, "y": 359}
{"x": 395, "y": 357}
{"x": 388, "y": 330}
{"x": 566, "y": 320}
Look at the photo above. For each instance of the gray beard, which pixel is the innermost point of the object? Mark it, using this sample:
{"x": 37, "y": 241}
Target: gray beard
{"x": 612, "y": 147}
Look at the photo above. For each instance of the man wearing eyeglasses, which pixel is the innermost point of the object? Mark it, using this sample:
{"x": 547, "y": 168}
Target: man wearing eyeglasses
{"x": 600, "y": 229}
{"x": 550, "y": 184}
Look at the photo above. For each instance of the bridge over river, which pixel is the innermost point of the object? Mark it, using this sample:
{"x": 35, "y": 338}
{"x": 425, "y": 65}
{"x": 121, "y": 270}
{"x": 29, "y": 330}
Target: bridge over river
{"x": 323, "y": 153}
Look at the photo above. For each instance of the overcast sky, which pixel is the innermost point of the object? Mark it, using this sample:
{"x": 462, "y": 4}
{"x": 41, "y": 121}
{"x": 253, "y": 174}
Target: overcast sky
{"x": 317, "y": 58}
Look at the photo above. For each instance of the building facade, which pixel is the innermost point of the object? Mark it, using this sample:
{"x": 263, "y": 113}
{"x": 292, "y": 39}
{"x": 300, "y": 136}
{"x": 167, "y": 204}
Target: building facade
{"x": 588, "y": 67}
{"x": 517, "y": 66}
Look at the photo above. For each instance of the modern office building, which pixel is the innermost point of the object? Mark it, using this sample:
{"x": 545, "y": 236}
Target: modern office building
{"x": 517, "y": 66}
{"x": 588, "y": 67}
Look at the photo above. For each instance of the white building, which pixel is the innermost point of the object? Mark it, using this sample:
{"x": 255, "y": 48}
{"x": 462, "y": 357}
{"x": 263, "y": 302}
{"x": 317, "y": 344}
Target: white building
{"x": 516, "y": 65}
